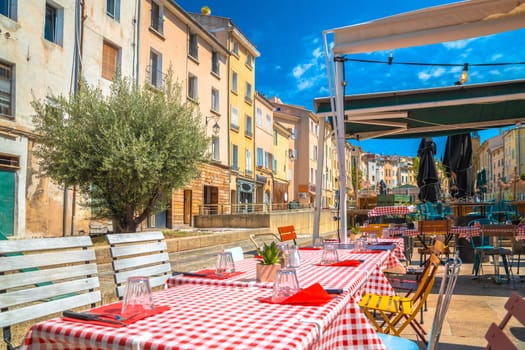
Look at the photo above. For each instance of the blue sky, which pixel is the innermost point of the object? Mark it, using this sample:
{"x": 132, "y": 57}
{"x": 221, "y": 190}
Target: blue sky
{"x": 288, "y": 35}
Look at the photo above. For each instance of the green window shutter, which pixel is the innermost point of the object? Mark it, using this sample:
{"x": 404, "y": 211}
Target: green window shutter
{"x": 7, "y": 202}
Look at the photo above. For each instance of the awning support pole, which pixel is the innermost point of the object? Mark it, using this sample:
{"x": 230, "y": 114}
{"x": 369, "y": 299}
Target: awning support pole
{"x": 341, "y": 146}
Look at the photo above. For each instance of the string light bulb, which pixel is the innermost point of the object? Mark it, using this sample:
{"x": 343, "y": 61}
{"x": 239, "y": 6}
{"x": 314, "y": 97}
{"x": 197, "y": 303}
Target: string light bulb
{"x": 464, "y": 75}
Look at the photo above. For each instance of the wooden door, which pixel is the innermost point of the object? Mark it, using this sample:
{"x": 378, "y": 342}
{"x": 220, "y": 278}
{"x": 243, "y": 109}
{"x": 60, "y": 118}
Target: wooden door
{"x": 187, "y": 207}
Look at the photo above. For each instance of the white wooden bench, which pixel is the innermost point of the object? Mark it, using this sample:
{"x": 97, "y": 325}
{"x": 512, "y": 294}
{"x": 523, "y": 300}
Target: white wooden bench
{"x": 40, "y": 277}
{"x": 139, "y": 254}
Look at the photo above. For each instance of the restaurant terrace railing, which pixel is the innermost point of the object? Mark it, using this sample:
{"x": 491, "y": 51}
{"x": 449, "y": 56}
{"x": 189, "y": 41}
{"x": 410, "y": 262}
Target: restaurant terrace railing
{"x": 249, "y": 208}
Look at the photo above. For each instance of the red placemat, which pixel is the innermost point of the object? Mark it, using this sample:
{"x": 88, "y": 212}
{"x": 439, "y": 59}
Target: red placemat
{"x": 310, "y": 248}
{"x": 315, "y": 295}
{"x": 343, "y": 263}
{"x": 211, "y": 274}
{"x": 113, "y": 312}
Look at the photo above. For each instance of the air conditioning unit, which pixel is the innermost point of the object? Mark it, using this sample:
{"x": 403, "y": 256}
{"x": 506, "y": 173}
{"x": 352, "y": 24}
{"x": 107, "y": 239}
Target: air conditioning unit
{"x": 292, "y": 153}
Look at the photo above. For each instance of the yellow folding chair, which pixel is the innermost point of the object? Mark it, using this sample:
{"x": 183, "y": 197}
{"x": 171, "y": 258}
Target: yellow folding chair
{"x": 398, "y": 312}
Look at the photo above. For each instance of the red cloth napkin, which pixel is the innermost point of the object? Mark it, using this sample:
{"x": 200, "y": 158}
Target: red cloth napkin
{"x": 113, "y": 312}
{"x": 315, "y": 295}
{"x": 343, "y": 263}
{"x": 211, "y": 274}
{"x": 310, "y": 248}
{"x": 372, "y": 252}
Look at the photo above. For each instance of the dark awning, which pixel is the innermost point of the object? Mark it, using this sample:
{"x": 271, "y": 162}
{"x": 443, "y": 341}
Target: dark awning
{"x": 260, "y": 179}
{"x": 431, "y": 112}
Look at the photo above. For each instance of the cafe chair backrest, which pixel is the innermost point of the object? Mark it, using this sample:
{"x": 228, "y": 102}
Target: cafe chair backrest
{"x": 287, "y": 233}
{"x": 496, "y": 336}
{"x": 139, "y": 254}
{"x": 44, "y": 276}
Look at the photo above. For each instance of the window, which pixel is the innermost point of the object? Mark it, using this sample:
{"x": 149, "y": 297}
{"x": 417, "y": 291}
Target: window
{"x": 6, "y": 89}
{"x": 215, "y": 155}
{"x": 113, "y": 9}
{"x": 110, "y": 60}
{"x": 249, "y": 60}
{"x": 194, "y": 46}
{"x": 215, "y": 62}
{"x": 248, "y": 161}
{"x": 258, "y": 117}
{"x": 267, "y": 160}
{"x": 235, "y": 87}
{"x": 268, "y": 123}
{"x": 235, "y": 157}
{"x": 157, "y": 22}
{"x": 236, "y": 48}
{"x": 274, "y": 165}
{"x": 235, "y": 118}
{"x": 155, "y": 69}
{"x": 8, "y": 8}
{"x": 275, "y": 138}
{"x": 248, "y": 126}
{"x": 193, "y": 91}
{"x": 214, "y": 100}
{"x": 259, "y": 156}
{"x": 248, "y": 96}
{"x": 53, "y": 24}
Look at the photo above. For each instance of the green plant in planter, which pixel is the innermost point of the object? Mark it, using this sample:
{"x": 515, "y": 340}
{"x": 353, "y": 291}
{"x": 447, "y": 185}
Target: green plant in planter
{"x": 270, "y": 254}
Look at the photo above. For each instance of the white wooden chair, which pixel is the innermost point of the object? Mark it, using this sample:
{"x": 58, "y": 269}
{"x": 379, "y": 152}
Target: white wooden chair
{"x": 41, "y": 277}
{"x": 139, "y": 254}
{"x": 237, "y": 253}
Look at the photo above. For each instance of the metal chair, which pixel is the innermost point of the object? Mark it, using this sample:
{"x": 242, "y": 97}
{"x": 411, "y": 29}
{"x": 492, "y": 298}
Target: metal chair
{"x": 139, "y": 254}
{"x": 259, "y": 238}
{"x": 41, "y": 277}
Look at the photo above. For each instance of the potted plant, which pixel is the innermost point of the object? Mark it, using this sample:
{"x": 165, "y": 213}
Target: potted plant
{"x": 269, "y": 263}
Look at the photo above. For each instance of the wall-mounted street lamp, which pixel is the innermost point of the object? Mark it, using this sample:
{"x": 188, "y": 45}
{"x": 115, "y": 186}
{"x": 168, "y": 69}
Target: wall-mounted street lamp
{"x": 216, "y": 128}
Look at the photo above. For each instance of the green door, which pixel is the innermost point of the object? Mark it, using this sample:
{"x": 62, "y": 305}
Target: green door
{"x": 7, "y": 202}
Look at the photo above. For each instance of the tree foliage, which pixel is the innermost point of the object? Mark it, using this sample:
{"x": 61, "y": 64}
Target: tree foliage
{"x": 127, "y": 149}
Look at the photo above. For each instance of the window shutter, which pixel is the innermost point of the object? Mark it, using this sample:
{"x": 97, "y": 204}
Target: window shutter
{"x": 109, "y": 61}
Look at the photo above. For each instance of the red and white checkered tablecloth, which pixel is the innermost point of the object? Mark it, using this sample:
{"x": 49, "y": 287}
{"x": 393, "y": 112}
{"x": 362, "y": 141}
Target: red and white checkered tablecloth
{"x": 219, "y": 317}
{"x": 465, "y": 231}
{"x": 520, "y": 232}
{"x": 389, "y": 210}
{"x": 366, "y": 277}
{"x": 412, "y": 232}
{"x": 399, "y": 249}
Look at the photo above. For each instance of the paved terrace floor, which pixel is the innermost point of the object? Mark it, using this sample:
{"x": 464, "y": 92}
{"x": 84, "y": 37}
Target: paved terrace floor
{"x": 474, "y": 306}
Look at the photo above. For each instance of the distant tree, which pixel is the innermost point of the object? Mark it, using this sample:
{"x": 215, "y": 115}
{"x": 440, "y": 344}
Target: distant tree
{"x": 127, "y": 150}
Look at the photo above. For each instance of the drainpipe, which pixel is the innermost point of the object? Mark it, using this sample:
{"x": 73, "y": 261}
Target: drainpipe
{"x": 136, "y": 51}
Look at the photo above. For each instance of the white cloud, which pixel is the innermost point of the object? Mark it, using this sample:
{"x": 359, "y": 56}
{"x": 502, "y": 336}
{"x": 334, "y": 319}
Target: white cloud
{"x": 458, "y": 44}
{"x": 299, "y": 70}
{"x": 305, "y": 84}
{"x": 318, "y": 53}
{"x": 431, "y": 74}
{"x": 278, "y": 67}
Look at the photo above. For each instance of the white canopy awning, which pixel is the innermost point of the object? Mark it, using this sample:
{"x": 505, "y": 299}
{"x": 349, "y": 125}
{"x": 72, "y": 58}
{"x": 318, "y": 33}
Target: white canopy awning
{"x": 462, "y": 20}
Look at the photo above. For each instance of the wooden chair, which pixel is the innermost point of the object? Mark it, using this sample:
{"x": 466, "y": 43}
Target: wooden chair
{"x": 41, "y": 277}
{"x": 496, "y": 336}
{"x": 433, "y": 228}
{"x": 448, "y": 283}
{"x": 409, "y": 282}
{"x": 139, "y": 254}
{"x": 398, "y": 312}
{"x": 287, "y": 233}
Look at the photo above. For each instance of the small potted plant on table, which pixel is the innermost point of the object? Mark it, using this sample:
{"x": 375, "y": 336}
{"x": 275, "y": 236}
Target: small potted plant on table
{"x": 269, "y": 263}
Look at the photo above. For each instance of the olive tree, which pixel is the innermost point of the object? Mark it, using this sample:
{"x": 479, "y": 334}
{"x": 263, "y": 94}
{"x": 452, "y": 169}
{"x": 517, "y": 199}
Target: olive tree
{"x": 127, "y": 150}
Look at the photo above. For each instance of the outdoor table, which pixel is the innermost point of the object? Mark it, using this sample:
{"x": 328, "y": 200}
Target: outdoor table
{"x": 219, "y": 317}
{"x": 389, "y": 210}
{"x": 365, "y": 278}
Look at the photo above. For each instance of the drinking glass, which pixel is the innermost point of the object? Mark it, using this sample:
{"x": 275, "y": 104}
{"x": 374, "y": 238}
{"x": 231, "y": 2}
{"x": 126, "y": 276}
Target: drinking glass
{"x": 224, "y": 264}
{"x": 285, "y": 284}
{"x": 330, "y": 255}
{"x": 318, "y": 242}
{"x": 284, "y": 253}
{"x": 137, "y": 296}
